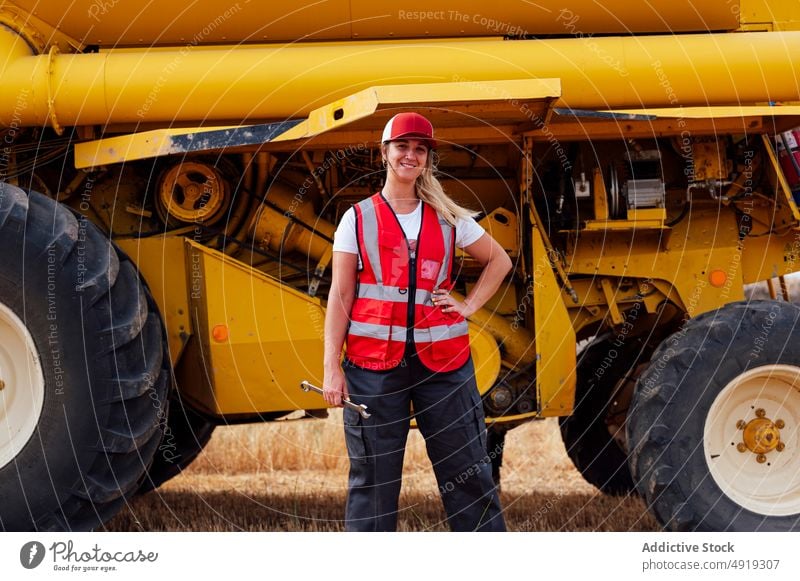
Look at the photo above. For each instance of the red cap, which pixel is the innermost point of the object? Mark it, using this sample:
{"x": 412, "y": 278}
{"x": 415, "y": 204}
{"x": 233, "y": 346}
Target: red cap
{"x": 405, "y": 125}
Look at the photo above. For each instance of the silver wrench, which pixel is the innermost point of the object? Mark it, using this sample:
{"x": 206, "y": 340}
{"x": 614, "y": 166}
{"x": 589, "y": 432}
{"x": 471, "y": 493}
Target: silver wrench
{"x": 360, "y": 408}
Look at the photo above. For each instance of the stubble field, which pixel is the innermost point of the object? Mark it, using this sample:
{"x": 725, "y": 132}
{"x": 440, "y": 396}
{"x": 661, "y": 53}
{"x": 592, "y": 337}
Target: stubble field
{"x": 292, "y": 476}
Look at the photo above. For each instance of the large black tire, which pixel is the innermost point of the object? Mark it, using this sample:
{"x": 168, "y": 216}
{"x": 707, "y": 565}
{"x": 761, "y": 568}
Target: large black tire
{"x": 187, "y": 434}
{"x": 99, "y": 341}
{"x": 687, "y": 427}
{"x": 595, "y": 453}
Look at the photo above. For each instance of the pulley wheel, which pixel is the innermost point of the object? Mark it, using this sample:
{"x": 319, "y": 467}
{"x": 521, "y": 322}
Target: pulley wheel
{"x": 192, "y": 192}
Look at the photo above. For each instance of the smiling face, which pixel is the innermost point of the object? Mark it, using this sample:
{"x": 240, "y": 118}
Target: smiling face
{"x": 406, "y": 159}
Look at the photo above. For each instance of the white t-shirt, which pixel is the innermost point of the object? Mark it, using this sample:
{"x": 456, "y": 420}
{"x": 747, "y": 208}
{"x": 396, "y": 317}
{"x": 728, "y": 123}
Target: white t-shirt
{"x": 346, "y": 240}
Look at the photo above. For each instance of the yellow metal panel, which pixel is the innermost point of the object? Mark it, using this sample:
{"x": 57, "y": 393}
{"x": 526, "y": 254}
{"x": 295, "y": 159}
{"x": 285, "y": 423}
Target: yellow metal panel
{"x": 274, "y": 337}
{"x": 502, "y": 225}
{"x": 693, "y": 249}
{"x": 501, "y": 102}
{"x": 647, "y": 215}
{"x": 497, "y": 100}
{"x": 767, "y": 257}
{"x": 142, "y": 145}
{"x": 160, "y": 261}
{"x": 555, "y": 340}
{"x": 159, "y": 142}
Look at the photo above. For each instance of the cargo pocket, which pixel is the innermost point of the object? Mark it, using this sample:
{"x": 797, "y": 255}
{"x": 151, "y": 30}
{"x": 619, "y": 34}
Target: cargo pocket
{"x": 370, "y": 329}
{"x": 478, "y": 417}
{"x": 354, "y": 436}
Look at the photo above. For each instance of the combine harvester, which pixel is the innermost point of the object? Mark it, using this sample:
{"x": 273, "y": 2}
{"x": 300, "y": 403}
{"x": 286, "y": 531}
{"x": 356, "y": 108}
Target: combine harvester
{"x": 172, "y": 177}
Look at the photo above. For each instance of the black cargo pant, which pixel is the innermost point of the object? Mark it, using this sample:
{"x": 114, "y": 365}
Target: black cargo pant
{"x": 450, "y": 417}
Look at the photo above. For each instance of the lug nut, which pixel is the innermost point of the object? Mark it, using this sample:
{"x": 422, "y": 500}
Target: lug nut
{"x": 741, "y": 447}
{"x": 780, "y": 424}
{"x": 741, "y": 424}
{"x": 761, "y": 458}
{"x": 760, "y": 413}
{"x": 780, "y": 446}
{"x": 2, "y": 384}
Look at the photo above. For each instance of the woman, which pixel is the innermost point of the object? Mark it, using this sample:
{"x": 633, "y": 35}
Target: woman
{"x": 407, "y": 340}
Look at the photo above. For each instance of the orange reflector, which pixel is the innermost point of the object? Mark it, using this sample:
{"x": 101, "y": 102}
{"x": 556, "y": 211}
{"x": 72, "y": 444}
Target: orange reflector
{"x": 220, "y": 333}
{"x": 717, "y": 278}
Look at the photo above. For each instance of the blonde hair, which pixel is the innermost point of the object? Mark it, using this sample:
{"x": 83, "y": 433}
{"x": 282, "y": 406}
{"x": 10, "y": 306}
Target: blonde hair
{"x": 429, "y": 190}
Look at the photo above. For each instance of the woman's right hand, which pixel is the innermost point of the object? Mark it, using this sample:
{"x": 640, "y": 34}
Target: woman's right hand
{"x": 334, "y": 387}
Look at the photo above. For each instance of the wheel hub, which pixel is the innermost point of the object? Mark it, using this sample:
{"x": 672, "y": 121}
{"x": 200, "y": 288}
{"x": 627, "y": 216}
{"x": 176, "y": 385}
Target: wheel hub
{"x": 761, "y": 435}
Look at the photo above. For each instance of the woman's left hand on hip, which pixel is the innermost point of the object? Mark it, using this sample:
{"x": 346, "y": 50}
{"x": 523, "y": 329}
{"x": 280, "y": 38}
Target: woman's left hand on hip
{"x": 448, "y": 304}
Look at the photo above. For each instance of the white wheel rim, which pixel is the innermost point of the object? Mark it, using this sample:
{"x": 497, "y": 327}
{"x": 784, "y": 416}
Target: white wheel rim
{"x": 772, "y": 486}
{"x": 22, "y": 393}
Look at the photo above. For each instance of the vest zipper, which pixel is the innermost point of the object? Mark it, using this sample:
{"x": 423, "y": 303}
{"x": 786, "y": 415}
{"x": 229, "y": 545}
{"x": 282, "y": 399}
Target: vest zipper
{"x": 412, "y": 292}
{"x": 412, "y": 269}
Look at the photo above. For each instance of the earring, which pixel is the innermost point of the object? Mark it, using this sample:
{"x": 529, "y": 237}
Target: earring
{"x": 383, "y": 162}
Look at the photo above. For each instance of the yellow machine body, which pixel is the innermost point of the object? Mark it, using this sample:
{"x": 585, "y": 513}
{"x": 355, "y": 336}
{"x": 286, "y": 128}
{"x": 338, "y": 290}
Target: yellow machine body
{"x": 282, "y": 113}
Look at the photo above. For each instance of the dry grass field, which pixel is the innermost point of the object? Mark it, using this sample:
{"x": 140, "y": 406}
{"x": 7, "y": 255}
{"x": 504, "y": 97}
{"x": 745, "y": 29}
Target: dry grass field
{"x": 292, "y": 476}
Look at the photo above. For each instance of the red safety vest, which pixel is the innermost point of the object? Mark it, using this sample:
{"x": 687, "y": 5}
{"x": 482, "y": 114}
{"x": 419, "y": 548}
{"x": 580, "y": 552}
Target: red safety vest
{"x": 387, "y": 295}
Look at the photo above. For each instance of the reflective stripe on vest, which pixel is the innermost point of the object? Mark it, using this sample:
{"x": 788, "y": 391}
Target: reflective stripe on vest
{"x": 392, "y": 293}
{"x": 378, "y": 329}
{"x": 448, "y": 235}
{"x": 382, "y": 332}
{"x": 369, "y": 221}
{"x": 441, "y": 332}
{"x": 397, "y": 333}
